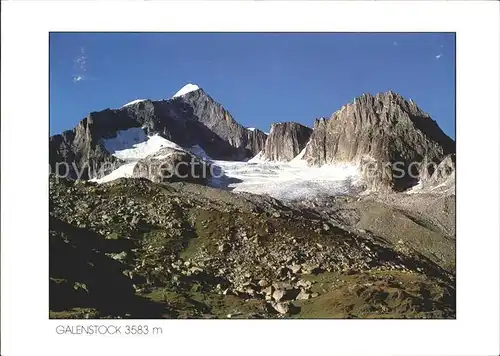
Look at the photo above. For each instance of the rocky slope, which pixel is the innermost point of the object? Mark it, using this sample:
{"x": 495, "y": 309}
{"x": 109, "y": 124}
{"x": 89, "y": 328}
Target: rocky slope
{"x": 286, "y": 140}
{"x": 380, "y": 133}
{"x": 132, "y": 249}
{"x": 193, "y": 118}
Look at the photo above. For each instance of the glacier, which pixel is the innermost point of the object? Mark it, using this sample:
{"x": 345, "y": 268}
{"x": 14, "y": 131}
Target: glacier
{"x": 281, "y": 180}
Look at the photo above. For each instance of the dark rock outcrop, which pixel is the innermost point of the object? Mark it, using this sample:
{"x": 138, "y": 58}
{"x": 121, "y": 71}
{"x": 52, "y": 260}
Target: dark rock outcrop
{"x": 191, "y": 119}
{"x": 285, "y": 141}
{"x": 243, "y": 143}
{"x": 386, "y": 135}
{"x": 440, "y": 175}
{"x": 172, "y": 165}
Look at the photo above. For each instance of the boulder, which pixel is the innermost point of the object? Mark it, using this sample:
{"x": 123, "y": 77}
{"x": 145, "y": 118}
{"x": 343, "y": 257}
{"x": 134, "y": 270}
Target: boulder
{"x": 268, "y": 290}
{"x": 295, "y": 268}
{"x": 278, "y": 294}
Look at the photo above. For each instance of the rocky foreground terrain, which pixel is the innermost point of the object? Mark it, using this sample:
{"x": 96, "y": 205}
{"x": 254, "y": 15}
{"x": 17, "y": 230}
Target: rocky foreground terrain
{"x": 132, "y": 248}
{"x": 126, "y": 242}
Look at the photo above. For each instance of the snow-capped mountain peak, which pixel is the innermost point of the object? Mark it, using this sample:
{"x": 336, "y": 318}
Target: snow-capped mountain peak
{"x": 186, "y": 89}
{"x": 133, "y": 102}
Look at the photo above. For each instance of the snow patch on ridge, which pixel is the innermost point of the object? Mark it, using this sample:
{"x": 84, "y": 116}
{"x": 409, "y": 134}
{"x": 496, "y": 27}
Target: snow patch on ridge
{"x": 251, "y": 129}
{"x": 186, "y": 89}
{"x": 133, "y": 102}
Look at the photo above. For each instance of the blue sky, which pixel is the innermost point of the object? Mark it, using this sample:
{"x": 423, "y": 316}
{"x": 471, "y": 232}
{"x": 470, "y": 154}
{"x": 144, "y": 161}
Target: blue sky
{"x": 260, "y": 78}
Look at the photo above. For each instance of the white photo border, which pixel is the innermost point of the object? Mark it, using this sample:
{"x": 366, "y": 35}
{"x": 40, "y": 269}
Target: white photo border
{"x": 26, "y": 328}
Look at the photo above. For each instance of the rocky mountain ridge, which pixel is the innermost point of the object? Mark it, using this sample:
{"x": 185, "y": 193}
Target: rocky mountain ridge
{"x": 383, "y": 135}
{"x": 285, "y": 141}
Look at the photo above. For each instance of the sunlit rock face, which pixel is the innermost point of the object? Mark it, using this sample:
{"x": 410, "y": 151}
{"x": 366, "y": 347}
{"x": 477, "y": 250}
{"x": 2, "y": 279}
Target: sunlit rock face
{"x": 380, "y": 133}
